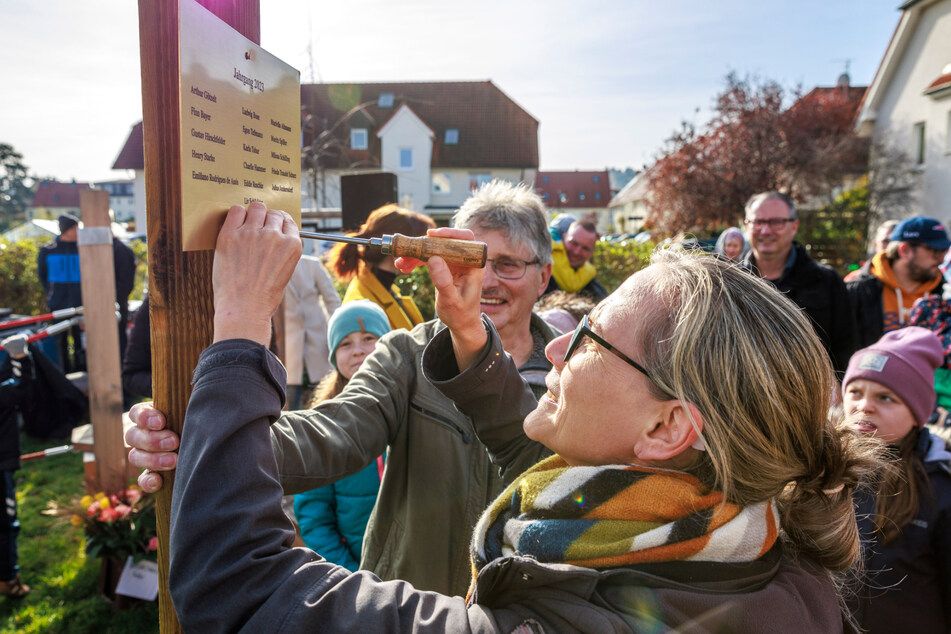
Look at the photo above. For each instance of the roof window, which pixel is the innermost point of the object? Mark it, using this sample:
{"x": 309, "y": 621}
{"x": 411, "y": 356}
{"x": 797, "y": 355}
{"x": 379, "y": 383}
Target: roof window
{"x": 452, "y": 136}
{"x": 385, "y": 100}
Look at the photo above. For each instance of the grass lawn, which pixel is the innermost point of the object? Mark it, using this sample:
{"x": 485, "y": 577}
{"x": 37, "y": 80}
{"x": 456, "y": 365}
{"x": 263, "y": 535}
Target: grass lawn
{"x": 53, "y": 561}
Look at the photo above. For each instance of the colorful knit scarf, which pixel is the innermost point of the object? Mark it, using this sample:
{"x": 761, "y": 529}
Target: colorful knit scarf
{"x": 619, "y": 515}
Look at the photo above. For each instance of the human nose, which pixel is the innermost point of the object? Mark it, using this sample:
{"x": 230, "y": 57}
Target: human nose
{"x": 556, "y": 349}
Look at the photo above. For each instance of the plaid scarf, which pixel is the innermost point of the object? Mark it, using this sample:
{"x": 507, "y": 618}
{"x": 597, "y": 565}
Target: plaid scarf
{"x": 619, "y": 515}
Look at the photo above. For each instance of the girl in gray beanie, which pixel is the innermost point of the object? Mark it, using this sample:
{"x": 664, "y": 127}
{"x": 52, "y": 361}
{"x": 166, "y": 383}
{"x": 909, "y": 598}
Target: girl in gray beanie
{"x": 906, "y": 528}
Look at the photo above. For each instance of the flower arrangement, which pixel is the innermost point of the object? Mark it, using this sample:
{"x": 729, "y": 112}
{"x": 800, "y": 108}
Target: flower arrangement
{"x": 118, "y": 525}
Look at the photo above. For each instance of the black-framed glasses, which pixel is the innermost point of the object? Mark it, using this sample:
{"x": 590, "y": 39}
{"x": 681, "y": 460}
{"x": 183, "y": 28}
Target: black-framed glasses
{"x": 774, "y": 223}
{"x": 508, "y": 268}
{"x": 583, "y": 330}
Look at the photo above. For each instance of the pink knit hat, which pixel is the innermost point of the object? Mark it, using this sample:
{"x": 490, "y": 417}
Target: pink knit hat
{"x": 904, "y": 361}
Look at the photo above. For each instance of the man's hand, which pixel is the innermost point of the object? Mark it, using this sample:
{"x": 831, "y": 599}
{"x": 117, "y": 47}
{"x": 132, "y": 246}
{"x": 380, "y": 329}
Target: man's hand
{"x": 153, "y": 446}
{"x": 255, "y": 256}
{"x": 458, "y": 293}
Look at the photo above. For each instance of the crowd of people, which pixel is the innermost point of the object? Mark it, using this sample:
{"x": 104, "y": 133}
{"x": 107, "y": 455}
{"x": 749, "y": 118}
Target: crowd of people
{"x": 724, "y": 441}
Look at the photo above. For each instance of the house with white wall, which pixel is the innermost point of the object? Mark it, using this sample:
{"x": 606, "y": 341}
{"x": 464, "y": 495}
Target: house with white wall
{"x": 441, "y": 139}
{"x": 132, "y": 157}
{"x": 908, "y": 105}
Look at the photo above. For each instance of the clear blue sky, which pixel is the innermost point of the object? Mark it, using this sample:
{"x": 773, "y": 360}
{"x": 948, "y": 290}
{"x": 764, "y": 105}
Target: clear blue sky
{"x": 608, "y": 80}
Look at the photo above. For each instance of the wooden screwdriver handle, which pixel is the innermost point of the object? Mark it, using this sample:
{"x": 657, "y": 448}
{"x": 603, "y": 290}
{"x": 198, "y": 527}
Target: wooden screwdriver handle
{"x": 459, "y": 252}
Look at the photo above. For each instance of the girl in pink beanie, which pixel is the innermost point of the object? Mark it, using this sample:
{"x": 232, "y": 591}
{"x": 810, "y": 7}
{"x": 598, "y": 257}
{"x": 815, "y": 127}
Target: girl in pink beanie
{"x": 906, "y": 528}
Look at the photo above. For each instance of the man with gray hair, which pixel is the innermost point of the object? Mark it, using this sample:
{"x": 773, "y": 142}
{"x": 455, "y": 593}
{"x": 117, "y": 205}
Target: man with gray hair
{"x": 438, "y": 477}
{"x": 771, "y": 226}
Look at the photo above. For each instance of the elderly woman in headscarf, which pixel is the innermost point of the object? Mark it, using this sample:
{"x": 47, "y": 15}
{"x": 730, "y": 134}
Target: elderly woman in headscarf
{"x": 686, "y": 479}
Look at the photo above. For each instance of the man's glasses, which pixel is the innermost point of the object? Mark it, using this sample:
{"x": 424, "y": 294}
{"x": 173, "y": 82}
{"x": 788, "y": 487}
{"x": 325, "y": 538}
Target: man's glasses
{"x": 508, "y": 268}
{"x": 583, "y": 331}
{"x": 773, "y": 223}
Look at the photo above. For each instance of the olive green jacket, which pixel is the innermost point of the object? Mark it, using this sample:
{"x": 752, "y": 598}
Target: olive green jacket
{"x": 438, "y": 477}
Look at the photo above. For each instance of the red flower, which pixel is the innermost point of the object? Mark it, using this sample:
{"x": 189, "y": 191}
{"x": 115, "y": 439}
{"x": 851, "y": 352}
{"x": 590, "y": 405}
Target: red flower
{"x": 109, "y": 515}
{"x": 153, "y": 544}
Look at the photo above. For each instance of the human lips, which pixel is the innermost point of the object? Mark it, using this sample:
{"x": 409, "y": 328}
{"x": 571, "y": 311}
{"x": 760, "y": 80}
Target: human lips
{"x": 865, "y": 426}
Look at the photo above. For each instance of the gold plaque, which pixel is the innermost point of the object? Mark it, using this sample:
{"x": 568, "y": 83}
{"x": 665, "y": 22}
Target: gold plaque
{"x": 240, "y": 125}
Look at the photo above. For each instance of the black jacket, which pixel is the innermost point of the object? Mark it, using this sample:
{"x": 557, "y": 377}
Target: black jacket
{"x": 137, "y": 362}
{"x": 820, "y": 292}
{"x": 908, "y": 585}
{"x": 57, "y": 266}
{"x": 16, "y": 387}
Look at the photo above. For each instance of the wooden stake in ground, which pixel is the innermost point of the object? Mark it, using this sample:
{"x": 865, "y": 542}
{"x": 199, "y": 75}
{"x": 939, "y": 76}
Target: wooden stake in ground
{"x": 97, "y": 278}
{"x": 180, "y": 293}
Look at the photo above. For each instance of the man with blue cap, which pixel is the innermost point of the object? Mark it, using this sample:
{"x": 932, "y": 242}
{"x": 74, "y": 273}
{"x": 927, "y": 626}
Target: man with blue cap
{"x": 889, "y": 284}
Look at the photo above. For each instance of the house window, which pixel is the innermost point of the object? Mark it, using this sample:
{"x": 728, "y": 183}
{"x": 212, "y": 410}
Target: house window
{"x": 452, "y": 136}
{"x": 359, "y": 139}
{"x": 406, "y": 158}
{"x": 596, "y": 178}
{"x": 476, "y": 180}
{"x": 597, "y": 195}
{"x": 563, "y": 198}
{"x": 581, "y": 196}
{"x": 385, "y": 100}
{"x": 918, "y": 139}
{"x": 544, "y": 179}
{"x": 441, "y": 183}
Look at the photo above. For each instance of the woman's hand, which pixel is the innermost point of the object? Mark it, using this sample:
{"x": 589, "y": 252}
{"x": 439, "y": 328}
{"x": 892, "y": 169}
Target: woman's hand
{"x": 255, "y": 257}
{"x": 458, "y": 293}
{"x": 153, "y": 446}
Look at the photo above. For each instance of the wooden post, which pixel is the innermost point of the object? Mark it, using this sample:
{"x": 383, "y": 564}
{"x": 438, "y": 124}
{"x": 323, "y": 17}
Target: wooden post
{"x": 180, "y": 292}
{"x": 97, "y": 279}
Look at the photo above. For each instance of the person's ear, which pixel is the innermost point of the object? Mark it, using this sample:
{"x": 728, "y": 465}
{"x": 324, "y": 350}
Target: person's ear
{"x": 905, "y": 251}
{"x": 546, "y": 275}
{"x": 676, "y": 430}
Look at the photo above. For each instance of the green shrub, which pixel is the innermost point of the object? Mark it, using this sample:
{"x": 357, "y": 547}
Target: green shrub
{"x": 20, "y": 288}
{"x": 616, "y": 261}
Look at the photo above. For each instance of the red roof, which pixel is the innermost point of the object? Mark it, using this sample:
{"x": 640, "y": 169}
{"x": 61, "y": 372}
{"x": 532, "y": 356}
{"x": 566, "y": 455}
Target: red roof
{"x": 574, "y": 189}
{"x": 491, "y": 130}
{"x": 132, "y": 155}
{"x": 56, "y": 194}
{"x": 941, "y": 83}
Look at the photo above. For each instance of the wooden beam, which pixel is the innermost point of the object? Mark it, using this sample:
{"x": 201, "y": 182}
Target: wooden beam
{"x": 180, "y": 292}
{"x": 97, "y": 279}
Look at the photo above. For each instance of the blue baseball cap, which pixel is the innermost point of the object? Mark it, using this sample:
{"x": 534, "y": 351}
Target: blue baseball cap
{"x": 922, "y": 229}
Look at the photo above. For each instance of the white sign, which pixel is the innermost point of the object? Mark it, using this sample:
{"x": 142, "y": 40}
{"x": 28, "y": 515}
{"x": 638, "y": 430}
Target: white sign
{"x": 139, "y": 580}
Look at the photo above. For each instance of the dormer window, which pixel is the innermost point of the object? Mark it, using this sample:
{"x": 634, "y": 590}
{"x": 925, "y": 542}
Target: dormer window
{"x": 359, "y": 139}
{"x": 385, "y": 100}
{"x": 452, "y": 136}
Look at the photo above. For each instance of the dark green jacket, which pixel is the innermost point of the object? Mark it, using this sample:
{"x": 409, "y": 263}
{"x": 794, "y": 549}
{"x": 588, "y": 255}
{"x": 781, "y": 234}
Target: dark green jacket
{"x": 438, "y": 477}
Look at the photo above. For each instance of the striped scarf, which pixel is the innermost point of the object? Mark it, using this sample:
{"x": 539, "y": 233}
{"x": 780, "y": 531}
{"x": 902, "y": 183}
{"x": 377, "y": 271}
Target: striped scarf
{"x": 619, "y": 515}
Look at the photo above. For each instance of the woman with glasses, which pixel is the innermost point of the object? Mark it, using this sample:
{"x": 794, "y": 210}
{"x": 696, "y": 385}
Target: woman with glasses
{"x": 696, "y": 482}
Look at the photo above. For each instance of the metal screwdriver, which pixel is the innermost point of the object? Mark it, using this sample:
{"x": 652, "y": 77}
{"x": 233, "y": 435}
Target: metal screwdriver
{"x": 459, "y": 252}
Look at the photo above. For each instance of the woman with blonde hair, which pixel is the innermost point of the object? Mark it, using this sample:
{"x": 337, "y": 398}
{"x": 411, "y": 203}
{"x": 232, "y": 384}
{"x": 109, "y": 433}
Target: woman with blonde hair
{"x": 371, "y": 273}
{"x": 698, "y": 482}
